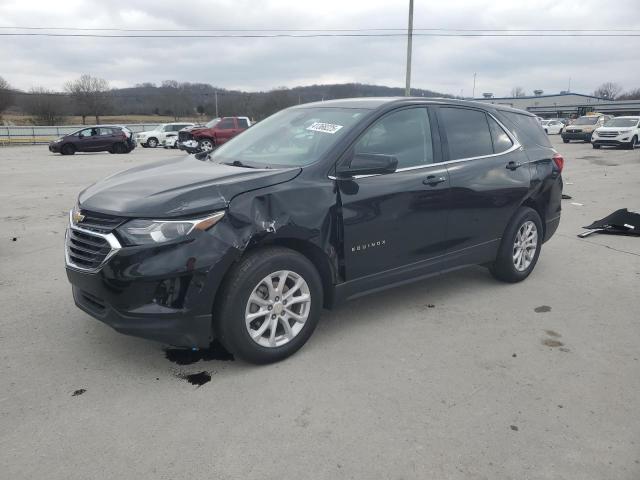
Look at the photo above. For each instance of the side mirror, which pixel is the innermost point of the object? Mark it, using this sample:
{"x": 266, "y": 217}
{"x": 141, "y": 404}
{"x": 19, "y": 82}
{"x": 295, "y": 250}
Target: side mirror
{"x": 367, "y": 164}
{"x": 80, "y": 135}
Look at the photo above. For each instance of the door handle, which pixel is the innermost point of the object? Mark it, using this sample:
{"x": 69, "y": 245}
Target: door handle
{"x": 513, "y": 165}
{"x": 432, "y": 180}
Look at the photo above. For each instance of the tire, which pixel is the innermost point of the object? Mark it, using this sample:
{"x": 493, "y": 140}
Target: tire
{"x": 144, "y": 145}
{"x": 206, "y": 145}
{"x": 595, "y": 146}
{"x": 633, "y": 143}
{"x": 248, "y": 276}
{"x": 68, "y": 149}
{"x": 504, "y": 268}
{"x": 152, "y": 142}
{"x": 118, "y": 148}
{"x": 565, "y": 140}
{"x": 546, "y": 131}
{"x": 560, "y": 131}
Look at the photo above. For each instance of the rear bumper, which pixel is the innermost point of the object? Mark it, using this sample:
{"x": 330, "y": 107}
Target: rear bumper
{"x": 584, "y": 136}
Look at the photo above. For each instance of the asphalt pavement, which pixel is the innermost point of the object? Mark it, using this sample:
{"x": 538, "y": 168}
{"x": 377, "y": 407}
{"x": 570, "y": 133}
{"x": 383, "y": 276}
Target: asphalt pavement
{"x": 455, "y": 377}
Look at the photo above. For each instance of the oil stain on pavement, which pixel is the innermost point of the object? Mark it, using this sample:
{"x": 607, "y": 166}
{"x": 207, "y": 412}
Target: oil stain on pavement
{"x": 542, "y": 309}
{"x": 197, "y": 379}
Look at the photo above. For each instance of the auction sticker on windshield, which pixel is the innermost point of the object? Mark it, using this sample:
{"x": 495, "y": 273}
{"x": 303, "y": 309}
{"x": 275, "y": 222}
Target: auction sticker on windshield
{"x": 324, "y": 127}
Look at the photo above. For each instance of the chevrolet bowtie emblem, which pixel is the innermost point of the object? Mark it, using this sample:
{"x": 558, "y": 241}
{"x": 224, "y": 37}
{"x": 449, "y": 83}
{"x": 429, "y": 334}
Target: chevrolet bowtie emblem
{"x": 77, "y": 217}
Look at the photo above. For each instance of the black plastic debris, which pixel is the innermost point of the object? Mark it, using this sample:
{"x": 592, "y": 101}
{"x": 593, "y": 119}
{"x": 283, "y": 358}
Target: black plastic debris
{"x": 620, "y": 222}
{"x": 566, "y": 197}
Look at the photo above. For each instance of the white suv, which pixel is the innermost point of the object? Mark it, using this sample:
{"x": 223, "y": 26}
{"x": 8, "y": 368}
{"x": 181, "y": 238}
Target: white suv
{"x": 155, "y": 137}
{"x": 619, "y": 131}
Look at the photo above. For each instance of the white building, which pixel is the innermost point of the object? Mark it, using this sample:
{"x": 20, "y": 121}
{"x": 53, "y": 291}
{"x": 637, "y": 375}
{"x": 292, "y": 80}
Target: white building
{"x": 566, "y": 104}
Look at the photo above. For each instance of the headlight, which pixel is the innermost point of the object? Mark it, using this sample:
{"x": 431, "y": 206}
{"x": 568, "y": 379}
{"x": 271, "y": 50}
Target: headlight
{"x": 624, "y": 131}
{"x": 152, "y": 232}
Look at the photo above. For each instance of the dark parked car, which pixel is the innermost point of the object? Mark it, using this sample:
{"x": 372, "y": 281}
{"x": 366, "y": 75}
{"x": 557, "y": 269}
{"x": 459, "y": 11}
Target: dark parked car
{"x": 99, "y": 138}
{"x": 317, "y": 204}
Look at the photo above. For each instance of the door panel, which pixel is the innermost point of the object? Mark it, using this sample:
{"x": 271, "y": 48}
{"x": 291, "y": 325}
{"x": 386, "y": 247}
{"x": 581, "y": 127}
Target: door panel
{"x": 393, "y": 220}
{"x": 485, "y": 191}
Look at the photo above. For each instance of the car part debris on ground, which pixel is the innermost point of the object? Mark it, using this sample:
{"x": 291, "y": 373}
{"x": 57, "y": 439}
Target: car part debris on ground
{"x": 620, "y": 222}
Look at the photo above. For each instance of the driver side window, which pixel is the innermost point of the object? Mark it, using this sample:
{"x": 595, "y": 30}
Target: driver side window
{"x": 404, "y": 134}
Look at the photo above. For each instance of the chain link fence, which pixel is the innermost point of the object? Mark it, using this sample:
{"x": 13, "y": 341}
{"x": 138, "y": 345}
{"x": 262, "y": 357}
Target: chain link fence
{"x": 44, "y": 134}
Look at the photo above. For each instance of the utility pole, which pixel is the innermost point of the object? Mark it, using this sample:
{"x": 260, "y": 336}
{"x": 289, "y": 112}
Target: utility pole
{"x": 407, "y": 88}
{"x": 569, "y": 89}
{"x": 216, "y": 103}
{"x": 473, "y": 94}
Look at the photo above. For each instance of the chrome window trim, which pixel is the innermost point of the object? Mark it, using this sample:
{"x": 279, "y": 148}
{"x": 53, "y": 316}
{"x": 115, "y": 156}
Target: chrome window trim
{"x": 109, "y": 237}
{"x": 516, "y": 145}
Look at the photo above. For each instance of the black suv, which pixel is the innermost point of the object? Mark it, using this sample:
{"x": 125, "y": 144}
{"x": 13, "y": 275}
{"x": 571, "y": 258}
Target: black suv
{"x": 99, "y": 138}
{"x": 317, "y": 204}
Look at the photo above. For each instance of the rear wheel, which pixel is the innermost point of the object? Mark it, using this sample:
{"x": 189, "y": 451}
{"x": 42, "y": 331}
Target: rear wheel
{"x": 520, "y": 247}
{"x": 270, "y": 305}
{"x": 68, "y": 149}
{"x": 118, "y": 148}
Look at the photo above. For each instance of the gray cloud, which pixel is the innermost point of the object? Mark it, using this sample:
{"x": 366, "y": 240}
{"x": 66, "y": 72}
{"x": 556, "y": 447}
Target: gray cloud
{"x": 442, "y": 64}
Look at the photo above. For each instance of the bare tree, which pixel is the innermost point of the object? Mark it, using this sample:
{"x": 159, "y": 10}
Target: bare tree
{"x": 6, "y": 95}
{"x": 608, "y": 90}
{"x": 46, "y": 107}
{"x": 176, "y": 99}
{"x": 90, "y": 96}
{"x": 630, "y": 95}
{"x": 518, "y": 92}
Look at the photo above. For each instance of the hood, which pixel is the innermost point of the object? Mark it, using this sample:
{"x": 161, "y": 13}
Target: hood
{"x": 175, "y": 188}
{"x": 146, "y": 132}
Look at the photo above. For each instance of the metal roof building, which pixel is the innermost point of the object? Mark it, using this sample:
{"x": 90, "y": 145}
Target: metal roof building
{"x": 567, "y": 104}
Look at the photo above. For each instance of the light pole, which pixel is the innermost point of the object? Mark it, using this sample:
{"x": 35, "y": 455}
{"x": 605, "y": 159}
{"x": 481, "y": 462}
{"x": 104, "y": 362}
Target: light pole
{"x": 407, "y": 88}
{"x": 473, "y": 93}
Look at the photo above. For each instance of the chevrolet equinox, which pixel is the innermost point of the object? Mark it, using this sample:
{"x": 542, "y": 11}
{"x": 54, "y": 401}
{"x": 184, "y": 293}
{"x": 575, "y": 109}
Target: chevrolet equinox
{"x": 317, "y": 204}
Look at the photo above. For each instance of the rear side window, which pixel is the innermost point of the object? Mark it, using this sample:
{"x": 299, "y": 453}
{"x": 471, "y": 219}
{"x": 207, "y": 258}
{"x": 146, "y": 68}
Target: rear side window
{"x": 501, "y": 141}
{"x": 242, "y": 123}
{"x": 528, "y": 129}
{"x": 226, "y": 123}
{"x": 467, "y": 133}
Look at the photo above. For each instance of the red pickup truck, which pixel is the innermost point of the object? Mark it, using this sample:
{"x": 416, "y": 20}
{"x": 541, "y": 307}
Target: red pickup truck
{"x": 212, "y": 134}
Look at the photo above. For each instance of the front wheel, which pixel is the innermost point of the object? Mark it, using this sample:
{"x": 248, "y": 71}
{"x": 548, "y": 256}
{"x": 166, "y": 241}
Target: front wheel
{"x": 269, "y": 305}
{"x": 633, "y": 143}
{"x": 520, "y": 247}
{"x": 206, "y": 145}
{"x": 152, "y": 142}
{"x": 68, "y": 149}
{"x": 595, "y": 146}
{"x": 565, "y": 140}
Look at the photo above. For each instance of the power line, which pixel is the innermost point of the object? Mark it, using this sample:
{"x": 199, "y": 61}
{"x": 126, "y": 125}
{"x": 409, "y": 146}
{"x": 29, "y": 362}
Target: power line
{"x": 325, "y": 35}
{"x": 385, "y": 29}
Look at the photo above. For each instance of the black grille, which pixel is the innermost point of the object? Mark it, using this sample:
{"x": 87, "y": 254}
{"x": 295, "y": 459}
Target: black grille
{"x": 85, "y": 250}
{"x": 99, "y": 222}
{"x": 184, "y": 136}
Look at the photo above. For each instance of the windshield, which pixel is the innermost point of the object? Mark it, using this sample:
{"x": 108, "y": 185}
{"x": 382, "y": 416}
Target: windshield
{"x": 211, "y": 123}
{"x": 586, "y": 121}
{"x": 292, "y": 137}
{"x": 622, "y": 122}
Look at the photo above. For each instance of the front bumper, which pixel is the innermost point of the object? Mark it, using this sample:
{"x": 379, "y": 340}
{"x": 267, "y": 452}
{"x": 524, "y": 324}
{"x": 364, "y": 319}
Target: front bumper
{"x": 54, "y": 147}
{"x": 162, "y": 293}
{"x": 614, "y": 141}
{"x": 584, "y": 136}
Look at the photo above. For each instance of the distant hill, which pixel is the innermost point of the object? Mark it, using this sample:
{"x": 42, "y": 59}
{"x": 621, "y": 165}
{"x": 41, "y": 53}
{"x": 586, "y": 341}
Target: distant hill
{"x": 187, "y": 99}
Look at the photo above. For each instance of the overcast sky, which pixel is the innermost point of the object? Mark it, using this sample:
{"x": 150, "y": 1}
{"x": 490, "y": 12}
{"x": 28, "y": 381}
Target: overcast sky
{"x": 442, "y": 64}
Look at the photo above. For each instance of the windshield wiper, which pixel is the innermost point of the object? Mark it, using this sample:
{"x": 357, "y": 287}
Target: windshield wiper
{"x": 238, "y": 163}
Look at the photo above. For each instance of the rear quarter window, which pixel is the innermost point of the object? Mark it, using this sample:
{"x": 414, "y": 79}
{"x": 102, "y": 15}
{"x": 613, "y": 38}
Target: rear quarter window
{"x": 527, "y": 129}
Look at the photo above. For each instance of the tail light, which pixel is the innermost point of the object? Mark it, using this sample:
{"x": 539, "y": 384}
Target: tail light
{"x": 558, "y": 160}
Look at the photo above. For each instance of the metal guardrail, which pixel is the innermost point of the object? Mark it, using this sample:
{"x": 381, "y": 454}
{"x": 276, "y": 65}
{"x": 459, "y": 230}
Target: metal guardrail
{"x": 44, "y": 134}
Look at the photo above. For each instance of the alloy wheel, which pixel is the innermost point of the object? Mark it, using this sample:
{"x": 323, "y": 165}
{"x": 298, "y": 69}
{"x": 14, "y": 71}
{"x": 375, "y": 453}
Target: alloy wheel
{"x": 206, "y": 145}
{"x": 277, "y": 309}
{"x": 525, "y": 246}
